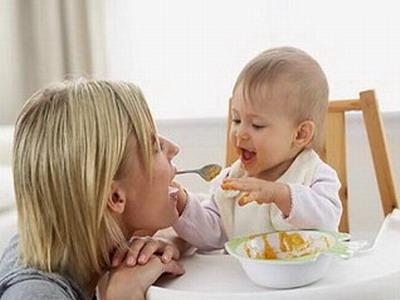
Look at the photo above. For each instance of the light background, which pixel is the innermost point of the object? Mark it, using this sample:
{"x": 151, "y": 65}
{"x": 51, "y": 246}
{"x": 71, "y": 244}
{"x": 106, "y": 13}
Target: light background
{"x": 186, "y": 55}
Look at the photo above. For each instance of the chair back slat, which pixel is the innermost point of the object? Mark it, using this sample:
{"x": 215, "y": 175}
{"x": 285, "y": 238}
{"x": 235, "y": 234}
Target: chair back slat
{"x": 379, "y": 150}
{"x": 334, "y": 154}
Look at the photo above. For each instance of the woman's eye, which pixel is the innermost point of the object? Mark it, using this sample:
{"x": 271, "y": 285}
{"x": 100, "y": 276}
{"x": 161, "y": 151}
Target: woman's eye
{"x": 161, "y": 143}
{"x": 236, "y": 121}
{"x": 162, "y": 146}
{"x": 156, "y": 144}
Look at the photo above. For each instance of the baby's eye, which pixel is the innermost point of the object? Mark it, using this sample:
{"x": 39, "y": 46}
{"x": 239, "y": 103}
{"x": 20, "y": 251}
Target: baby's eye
{"x": 236, "y": 121}
{"x": 255, "y": 126}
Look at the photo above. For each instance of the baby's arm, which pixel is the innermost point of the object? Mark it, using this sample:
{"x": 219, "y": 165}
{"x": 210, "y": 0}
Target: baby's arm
{"x": 200, "y": 223}
{"x": 317, "y": 206}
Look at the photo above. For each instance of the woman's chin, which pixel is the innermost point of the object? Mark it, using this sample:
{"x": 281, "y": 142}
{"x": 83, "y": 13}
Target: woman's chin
{"x": 170, "y": 222}
{"x": 171, "y": 215}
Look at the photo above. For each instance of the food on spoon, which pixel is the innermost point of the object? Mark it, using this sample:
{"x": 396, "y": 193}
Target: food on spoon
{"x": 211, "y": 172}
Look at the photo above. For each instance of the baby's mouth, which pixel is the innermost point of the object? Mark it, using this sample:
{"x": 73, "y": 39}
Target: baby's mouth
{"x": 247, "y": 156}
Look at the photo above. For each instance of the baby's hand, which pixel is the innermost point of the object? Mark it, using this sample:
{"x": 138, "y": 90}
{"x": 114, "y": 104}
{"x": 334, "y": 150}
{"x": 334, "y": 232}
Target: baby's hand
{"x": 141, "y": 250}
{"x": 180, "y": 195}
{"x": 258, "y": 190}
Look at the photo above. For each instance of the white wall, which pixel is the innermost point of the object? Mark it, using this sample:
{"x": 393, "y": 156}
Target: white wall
{"x": 186, "y": 55}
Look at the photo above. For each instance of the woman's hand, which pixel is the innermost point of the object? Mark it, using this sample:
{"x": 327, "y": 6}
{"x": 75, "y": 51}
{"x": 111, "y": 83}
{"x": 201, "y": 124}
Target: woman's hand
{"x": 142, "y": 248}
{"x": 131, "y": 283}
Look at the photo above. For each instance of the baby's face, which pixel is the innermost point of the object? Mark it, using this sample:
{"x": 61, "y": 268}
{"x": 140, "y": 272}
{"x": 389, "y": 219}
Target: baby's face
{"x": 263, "y": 132}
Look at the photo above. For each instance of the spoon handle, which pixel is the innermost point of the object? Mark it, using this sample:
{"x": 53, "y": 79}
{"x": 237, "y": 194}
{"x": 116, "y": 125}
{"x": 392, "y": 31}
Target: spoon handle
{"x": 187, "y": 171}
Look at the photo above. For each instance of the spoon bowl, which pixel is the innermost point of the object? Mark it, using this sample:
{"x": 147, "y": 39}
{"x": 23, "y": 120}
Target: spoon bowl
{"x": 207, "y": 172}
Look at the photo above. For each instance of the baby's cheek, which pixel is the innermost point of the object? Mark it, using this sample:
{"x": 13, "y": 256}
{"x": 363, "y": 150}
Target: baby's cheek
{"x": 232, "y": 137}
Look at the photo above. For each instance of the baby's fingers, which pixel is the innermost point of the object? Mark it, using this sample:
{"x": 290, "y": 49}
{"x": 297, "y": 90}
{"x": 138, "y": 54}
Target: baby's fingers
{"x": 245, "y": 199}
{"x": 236, "y": 184}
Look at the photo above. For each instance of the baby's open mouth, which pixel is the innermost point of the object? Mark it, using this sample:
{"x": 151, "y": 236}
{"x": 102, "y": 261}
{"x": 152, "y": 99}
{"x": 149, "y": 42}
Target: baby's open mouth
{"x": 247, "y": 156}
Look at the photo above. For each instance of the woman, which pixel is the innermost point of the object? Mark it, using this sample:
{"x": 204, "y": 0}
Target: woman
{"x": 89, "y": 171}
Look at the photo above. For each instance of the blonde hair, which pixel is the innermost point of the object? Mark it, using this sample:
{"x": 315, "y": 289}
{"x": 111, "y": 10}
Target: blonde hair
{"x": 70, "y": 143}
{"x": 298, "y": 68}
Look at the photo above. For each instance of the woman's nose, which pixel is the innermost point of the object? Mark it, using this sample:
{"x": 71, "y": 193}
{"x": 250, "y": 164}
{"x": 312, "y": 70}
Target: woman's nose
{"x": 173, "y": 149}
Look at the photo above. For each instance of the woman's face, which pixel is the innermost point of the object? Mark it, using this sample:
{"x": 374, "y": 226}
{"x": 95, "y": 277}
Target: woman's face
{"x": 148, "y": 203}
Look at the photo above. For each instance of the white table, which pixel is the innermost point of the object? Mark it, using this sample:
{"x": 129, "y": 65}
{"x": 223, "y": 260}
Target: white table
{"x": 372, "y": 275}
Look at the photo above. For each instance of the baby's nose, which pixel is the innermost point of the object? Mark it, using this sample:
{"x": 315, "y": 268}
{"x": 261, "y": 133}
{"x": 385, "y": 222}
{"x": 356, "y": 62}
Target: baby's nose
{"x": 241, "y": 134}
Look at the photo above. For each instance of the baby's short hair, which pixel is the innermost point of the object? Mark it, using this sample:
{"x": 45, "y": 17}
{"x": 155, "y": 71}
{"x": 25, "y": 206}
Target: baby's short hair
{"x": 299, "y": 68}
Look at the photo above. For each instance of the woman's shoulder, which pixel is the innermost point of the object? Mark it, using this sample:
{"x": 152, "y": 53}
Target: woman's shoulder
{"x": 33, "y": 289}
{"x": 18, "y": 282}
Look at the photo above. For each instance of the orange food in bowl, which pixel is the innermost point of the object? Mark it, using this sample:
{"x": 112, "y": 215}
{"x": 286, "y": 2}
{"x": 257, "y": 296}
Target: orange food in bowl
{"x": 289, "y": 245}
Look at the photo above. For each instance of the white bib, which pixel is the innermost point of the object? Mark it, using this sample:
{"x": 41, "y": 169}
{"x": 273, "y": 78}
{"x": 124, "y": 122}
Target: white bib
{"x": 254, "y": 218}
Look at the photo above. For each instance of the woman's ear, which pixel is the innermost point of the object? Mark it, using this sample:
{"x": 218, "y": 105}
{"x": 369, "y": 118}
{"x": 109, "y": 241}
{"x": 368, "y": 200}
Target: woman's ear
{"x": 116, "y": 199}
{"x": 304, "y": 134}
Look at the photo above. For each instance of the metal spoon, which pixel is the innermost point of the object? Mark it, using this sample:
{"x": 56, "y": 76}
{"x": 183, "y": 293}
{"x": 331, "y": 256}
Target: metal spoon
{"x": 207, "y": 172}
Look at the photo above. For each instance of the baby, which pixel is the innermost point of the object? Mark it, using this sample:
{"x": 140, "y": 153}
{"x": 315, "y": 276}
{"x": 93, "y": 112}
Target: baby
{"x": 278, "y": 107}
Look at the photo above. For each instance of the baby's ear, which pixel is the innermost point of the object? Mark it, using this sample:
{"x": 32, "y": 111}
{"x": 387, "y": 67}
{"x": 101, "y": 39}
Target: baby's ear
{"x": 304, "y": 134}
{"x": 116, "y": 200}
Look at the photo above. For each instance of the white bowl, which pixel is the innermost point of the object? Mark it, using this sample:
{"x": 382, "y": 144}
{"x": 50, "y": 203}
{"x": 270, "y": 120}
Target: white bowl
{"x": 294, "y": 266}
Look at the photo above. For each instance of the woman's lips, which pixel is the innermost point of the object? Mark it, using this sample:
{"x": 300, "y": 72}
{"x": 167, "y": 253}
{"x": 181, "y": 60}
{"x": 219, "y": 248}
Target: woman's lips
{"x": 173, "y": 192}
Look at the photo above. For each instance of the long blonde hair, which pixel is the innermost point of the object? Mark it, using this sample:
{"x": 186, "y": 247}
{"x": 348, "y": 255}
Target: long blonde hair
{"x": 70, "y": 143}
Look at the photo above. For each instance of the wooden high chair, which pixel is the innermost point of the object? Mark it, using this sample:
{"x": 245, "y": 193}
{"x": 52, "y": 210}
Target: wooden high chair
{"x": 334, "y": 150}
